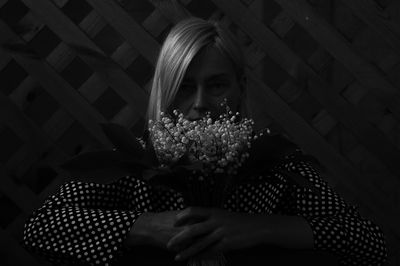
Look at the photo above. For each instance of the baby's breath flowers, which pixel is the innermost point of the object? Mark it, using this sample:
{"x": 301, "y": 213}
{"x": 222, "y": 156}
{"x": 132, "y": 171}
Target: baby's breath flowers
{"x": 221, "y": 145}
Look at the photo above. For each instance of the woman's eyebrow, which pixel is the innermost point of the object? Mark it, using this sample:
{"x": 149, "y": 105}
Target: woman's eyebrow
{"x": 217, "y": 76}
{"x": 207, "y": 79}
{"x": 188, "y": 80}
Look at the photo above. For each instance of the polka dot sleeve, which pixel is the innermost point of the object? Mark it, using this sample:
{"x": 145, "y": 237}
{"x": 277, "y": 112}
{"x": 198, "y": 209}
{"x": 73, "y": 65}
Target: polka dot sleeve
{"x": 86, "y": 222}
{"x": 337, "y": 226}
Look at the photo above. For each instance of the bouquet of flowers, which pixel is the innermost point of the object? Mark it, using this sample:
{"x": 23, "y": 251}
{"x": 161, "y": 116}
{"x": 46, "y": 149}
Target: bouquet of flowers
{"x": 202, "y": 159}
{"x": 210, "y": 151}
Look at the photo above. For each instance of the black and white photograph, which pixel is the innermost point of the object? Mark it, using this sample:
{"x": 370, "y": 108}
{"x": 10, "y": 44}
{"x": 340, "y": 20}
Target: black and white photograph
{"x": 200, "y": 132}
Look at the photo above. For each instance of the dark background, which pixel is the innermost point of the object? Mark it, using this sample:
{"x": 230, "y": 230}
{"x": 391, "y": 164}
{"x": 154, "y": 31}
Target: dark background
{"x": 324, "y": 72}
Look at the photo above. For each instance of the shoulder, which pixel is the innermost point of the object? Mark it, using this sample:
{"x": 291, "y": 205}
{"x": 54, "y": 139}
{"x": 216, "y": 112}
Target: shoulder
{"x": 276, "y": 150}
{"x": 266, "y": 153}
{"x": 273, "y": 147}
{"x": 281, "y": 146}
{"x": 126, "y": 181}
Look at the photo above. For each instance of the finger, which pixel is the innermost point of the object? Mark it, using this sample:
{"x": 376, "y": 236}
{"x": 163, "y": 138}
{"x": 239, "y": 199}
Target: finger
{"x": 199, "y": 246}
{"x": 211, "y": 250}
{"x": 183, "y": 238}
{"x": 191, "y": 214}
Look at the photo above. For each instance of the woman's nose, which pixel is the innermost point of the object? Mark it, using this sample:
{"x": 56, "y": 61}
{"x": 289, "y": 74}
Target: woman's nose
{"x": 200, "y": 104}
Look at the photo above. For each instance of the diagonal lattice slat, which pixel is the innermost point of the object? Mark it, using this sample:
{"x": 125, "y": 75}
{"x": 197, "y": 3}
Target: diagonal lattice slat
{"x": 66, "y": 65}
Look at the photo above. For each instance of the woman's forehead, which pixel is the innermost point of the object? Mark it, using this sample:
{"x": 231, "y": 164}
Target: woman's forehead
{"x": 209, "y": 63}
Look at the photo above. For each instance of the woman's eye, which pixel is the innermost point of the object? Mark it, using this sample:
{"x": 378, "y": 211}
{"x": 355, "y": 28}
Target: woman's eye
{"x": 187, "y": 86}
{"x": 186, "y": 89}
{"x": 218, "y": 88}
{"x": 218, "y": 85}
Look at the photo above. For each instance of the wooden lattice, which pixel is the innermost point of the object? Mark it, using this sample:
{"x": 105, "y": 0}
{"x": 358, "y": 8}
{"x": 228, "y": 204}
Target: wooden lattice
{"x": 326, "y": 73}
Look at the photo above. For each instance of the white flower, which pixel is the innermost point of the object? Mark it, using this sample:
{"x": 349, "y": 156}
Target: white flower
{"x": 221, "y": 144}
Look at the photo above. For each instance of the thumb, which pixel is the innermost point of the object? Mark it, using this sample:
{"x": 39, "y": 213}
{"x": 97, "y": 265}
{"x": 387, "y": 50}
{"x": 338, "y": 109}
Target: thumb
{"x": 191, "y": 215}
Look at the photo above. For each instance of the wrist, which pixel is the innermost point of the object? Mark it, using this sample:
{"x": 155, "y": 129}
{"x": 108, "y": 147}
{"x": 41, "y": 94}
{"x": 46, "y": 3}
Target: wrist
{"x": 267, "y": 233}
{"x": 140, "y": 231}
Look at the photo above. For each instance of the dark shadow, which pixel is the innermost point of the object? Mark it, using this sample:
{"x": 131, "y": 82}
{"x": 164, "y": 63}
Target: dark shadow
{"x": 261, "y": 255}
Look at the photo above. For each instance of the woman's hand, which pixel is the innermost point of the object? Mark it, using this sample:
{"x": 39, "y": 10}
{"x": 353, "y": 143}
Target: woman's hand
{"x": 156, "y": 229}
{"x": 153, "y": 229}
{"x": 202, "y": 231}
{"x": 216, "y": 230}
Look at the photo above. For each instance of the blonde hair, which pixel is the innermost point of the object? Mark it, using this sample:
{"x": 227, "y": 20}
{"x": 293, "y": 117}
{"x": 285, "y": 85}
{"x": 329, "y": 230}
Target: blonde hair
{"x": 183, "y": 42}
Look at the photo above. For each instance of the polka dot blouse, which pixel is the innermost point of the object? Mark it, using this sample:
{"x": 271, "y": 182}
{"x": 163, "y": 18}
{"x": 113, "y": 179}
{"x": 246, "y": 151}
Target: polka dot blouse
{"x": 88, "y": 222}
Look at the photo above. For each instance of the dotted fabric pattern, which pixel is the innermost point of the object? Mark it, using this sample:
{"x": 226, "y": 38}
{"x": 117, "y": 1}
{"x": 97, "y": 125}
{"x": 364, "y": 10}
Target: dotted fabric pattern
{"x": 87, "y": 223}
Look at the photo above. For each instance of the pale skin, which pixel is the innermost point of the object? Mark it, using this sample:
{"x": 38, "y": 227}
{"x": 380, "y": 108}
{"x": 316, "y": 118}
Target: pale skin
{"x": 196, "y": 231}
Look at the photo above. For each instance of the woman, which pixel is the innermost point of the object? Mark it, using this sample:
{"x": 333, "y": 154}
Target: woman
{"x": 199, "y": 65}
